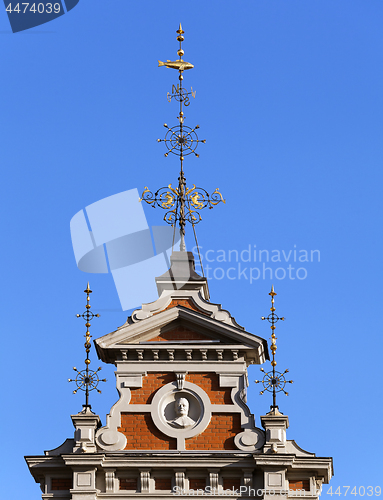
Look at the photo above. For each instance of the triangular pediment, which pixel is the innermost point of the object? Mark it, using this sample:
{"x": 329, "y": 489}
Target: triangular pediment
{"x": 179, "y": 333}
{"x": 180, "y": 325}
{"x": 170, "y": 327}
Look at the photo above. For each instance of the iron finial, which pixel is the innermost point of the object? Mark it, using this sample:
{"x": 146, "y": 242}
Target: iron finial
{"x": 273, "y": 381}
{"x": 87, "y": 380}
{"x": 182, "y": 203}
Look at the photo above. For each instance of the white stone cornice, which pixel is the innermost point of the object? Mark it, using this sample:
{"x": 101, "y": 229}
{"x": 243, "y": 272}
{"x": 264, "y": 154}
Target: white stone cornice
{"x": 145, "y": 330}
{"x": 322, "y": 466}
{"x": 84, "y": 460}
{"x": 193, "y": 366}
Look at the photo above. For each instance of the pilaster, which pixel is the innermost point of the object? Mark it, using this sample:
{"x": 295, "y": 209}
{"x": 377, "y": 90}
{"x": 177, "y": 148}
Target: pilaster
{"x": 84, "y": 484}
{"x": 110, "y": 480}
{"x": 145, "y": 481}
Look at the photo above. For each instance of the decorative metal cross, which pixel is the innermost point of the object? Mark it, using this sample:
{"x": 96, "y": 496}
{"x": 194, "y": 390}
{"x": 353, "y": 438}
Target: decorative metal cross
{"x": 87, "y": 380}
{"x": 273, "y": 381}
{"x": 182, "y": 203}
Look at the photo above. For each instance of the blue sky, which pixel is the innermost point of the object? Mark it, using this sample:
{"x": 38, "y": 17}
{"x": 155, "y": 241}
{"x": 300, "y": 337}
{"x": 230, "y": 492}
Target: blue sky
{"x": 289, "y": 99}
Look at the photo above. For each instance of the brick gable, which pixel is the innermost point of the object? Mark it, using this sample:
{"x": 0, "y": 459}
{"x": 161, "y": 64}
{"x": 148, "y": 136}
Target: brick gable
{"x": 188, "y": 303}
{"x": 209, "y": 382}
{"x": 150, "y": 383}
{"x": 142, "y": 434}
{"x": 179, "y": 333}
{"x": 219, "y": 435}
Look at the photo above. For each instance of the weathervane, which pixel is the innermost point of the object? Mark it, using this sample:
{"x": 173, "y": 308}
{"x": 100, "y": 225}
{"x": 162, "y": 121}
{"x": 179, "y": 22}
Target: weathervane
{"x": 273, "y": 381}
{"x": 182, "y": 203}
{"x": 87, "y": 380}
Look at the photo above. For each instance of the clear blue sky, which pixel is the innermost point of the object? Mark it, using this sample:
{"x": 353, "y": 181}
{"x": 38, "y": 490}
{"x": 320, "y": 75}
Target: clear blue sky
{"x": 289, "y": 99}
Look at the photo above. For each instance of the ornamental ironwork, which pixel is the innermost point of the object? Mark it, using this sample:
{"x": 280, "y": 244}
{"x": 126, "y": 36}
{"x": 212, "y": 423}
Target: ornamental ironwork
{"x": 182, "y": 204}
{"x": 194, "y": 198}
{"x": 273, "y": 381}
{"x": 87, "y": 380}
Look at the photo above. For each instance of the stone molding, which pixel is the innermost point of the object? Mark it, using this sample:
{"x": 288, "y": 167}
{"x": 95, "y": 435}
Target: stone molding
{"x": 195, "y": 464}
{"x": 108, "y": 438}
{"x": 212, "y": 310}
{"x": 115, "y": 345}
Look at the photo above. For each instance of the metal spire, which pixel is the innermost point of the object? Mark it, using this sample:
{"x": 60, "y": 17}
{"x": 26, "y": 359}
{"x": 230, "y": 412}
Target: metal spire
{"x": 182, "y": 203}
{"x": 87, "y": 380}
{"x": 273, "y": 381}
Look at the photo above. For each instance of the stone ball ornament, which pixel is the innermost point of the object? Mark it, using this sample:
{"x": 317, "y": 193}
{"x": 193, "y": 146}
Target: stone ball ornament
{"x": 182, "y": 412}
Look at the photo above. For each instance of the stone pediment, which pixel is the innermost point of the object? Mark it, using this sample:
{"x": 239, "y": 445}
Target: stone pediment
{"x": 180, "y": 334}
{"x": 181, "y": 328}
{"x": 189, "y": 299}
{"x": 181, "y": 325}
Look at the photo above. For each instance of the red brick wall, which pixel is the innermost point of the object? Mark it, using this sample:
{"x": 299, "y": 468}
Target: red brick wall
{"x": 299, "y": 484}
{"x": 185, "y": 303}
{"x": 231, "y": 482}
{"x": 150, "y": 383}
{"x": 142, "y": 434}
{"x": 128, "y": 484}
{"x": 209, "y": 382}
{"x": 197, "y": 483}
{"x": 61, "y": 483}
{"x": 219, "y": 435}
{"x": 180, "y": 333}
{"x": 163, "y": 483}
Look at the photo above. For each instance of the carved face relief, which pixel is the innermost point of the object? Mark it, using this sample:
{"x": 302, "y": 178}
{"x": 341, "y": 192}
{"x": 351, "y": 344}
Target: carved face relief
{"x": 182, "y": 421}
{"x": 181, "y": 413}
{"x": 182, "y": 406}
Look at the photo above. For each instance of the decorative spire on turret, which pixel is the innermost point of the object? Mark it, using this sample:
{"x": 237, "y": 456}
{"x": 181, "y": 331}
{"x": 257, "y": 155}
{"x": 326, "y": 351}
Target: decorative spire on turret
{"x": 182, "y": 203}
{"x": 273, "y": 381}
{"x": 87, "y": 380}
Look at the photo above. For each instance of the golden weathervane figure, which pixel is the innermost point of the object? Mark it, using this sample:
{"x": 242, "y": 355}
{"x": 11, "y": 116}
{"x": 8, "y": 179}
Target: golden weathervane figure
{"x": 182, "y": 203}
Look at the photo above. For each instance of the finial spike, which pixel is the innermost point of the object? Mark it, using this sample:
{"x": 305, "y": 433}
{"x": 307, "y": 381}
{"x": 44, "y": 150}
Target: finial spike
{"x": 274, "y": 381}
{"x": 182, "y": 204}
{"x": 86, "y": 379}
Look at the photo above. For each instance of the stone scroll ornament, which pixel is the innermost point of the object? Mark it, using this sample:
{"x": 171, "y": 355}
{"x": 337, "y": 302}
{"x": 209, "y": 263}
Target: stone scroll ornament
{"x": 100, "y": 235}
{"x": 26, "y": 15}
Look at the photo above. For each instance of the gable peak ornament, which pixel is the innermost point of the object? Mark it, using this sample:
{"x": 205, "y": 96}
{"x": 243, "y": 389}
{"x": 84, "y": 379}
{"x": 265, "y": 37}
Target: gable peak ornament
{"x": 87, "y": 380}
{"x": 273, "y": 381}
{"x": 182, "y": 203}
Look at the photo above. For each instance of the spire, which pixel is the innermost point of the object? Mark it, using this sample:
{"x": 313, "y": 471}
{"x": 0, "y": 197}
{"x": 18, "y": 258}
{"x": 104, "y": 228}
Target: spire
{"x": 273, "y": 381}
{"x": 182, "y": 204}
{"x": 87, "y": 380}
